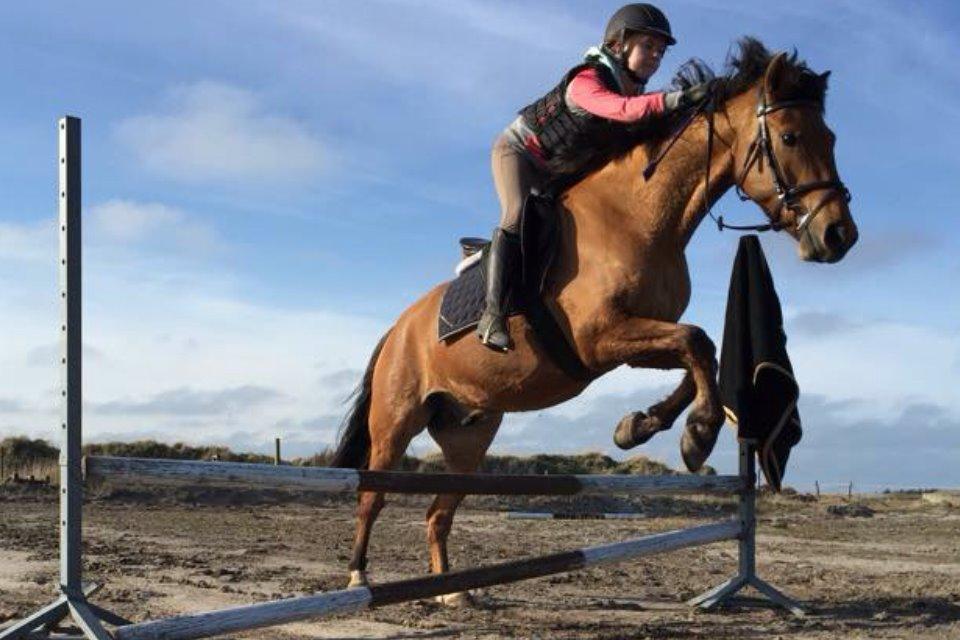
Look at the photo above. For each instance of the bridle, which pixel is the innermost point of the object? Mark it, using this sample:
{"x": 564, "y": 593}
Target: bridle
{"x": 760, "y": 150}
{"x": 788, "y": 197}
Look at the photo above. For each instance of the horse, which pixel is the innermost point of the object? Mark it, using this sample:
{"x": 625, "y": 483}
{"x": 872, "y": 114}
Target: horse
{"x": 618, "y": 285}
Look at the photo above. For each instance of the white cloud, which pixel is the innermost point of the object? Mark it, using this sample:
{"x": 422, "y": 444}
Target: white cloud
{"x": 192, "y": 402}
{"x": 820, "y": 323}
{"x": 131, "y": 222}
{"x": 885, "y": 364}
{"x": 27, "y": 242}
{"x": 443, "y": 46}
{"x": 216, "y": 132}
{"x": 176, "y": 350}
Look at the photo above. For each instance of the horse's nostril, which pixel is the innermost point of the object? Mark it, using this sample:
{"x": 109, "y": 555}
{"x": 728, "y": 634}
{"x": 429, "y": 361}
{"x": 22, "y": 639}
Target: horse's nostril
{"x": 835, "y": 237}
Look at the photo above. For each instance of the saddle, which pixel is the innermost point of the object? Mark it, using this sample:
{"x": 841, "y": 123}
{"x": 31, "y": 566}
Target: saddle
{"x": 464, "y": 299}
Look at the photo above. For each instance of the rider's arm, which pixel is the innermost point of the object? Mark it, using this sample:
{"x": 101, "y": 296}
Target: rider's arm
{"x": 588, "y": 92}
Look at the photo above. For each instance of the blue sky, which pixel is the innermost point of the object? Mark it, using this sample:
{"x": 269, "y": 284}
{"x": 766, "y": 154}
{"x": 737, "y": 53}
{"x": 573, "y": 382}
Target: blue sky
{"x": 267, "y": 185}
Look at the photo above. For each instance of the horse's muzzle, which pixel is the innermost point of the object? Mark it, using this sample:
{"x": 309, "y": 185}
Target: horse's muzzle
{"x": 829, "y": 244}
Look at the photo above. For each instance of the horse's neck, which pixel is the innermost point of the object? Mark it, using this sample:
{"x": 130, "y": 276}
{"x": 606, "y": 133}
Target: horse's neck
{"x": 679, "y": 196}
{"x": 670, "y": 206}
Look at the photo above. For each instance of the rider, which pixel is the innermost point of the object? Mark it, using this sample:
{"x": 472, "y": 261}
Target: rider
{"x": 552, "y": 136}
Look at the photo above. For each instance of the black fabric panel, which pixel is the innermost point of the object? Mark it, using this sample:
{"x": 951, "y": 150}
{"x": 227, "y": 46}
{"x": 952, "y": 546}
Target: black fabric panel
{"x": 756, "y": 377}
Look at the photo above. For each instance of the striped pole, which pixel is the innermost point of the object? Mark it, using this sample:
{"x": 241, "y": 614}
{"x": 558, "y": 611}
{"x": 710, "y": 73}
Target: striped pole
{"x": 568, "y": 515}
{"x": 243, "y": 474}
{"x": 235, "y": 619}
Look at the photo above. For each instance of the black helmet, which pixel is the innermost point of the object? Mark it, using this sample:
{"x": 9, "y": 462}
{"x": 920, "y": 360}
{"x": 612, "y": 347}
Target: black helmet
{"x": 638, "y": 16}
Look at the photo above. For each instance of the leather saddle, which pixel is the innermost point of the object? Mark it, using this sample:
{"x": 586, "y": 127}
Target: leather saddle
{"x": 463, "y": 300}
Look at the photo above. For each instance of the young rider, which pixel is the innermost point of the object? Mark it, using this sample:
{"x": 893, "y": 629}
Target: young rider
{"x": 553, "y": 135}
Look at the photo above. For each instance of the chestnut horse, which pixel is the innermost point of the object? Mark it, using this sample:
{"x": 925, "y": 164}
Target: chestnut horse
{"x": 618, "y": 286}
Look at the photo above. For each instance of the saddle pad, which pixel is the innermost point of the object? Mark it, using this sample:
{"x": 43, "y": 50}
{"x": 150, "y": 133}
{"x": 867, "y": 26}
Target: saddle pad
{"x": 463, "y": 301}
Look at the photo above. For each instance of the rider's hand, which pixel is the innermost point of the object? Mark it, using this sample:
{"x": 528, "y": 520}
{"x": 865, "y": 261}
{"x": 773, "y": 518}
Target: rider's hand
{"x": 684, "y": 98}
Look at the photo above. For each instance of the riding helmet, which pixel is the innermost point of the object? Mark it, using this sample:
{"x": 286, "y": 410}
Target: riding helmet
{"x": 638, "y": 16}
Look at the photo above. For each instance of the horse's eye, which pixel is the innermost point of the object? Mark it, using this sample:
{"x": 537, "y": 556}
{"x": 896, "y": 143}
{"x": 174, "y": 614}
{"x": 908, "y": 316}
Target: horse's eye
{"x": 789, "y": 139}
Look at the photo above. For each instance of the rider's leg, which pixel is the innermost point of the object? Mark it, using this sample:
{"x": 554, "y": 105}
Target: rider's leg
{"x": 514, "y": 174}
{"x": 501, "y": 263}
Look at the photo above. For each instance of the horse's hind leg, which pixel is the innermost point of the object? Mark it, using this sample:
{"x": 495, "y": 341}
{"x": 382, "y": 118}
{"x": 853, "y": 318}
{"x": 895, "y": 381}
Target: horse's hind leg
{"x": 463, "y": 447}
{"x": 391, "y": 429}
{"x": 638, "y": 427}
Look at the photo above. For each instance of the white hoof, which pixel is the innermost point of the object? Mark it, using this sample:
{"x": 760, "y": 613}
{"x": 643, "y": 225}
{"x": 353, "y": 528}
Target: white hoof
{"x": 358, "y": 579}
{"x": 459, "y": 600}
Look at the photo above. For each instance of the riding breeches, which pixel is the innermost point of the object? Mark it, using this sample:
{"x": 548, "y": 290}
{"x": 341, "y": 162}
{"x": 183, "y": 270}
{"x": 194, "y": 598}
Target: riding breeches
{"x": 514, "y": 175}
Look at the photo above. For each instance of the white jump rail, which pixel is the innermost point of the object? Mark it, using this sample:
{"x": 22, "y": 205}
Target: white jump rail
{"x": 322, "y": 479}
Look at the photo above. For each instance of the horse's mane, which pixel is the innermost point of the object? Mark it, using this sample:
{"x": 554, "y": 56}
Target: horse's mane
{"x": 745, "y": 65}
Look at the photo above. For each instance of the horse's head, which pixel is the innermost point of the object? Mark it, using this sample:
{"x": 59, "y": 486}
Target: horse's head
{"x": 784, "y": 161}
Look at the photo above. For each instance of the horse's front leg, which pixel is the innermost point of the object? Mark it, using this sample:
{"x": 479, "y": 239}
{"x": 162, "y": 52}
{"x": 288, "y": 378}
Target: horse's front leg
{"x": 638, "y": 427}
{"x": 647, "y": 343}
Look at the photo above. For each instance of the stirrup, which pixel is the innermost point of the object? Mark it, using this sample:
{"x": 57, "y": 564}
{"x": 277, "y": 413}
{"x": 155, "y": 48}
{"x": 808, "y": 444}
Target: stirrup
{"x": 495, "y": 337}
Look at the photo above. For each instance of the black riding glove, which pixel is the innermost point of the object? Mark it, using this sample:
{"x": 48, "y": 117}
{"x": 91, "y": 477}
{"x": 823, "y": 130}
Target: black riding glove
{"x": 685, "y": 98}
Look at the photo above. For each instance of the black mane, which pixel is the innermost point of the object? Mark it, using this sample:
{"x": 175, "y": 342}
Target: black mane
{"x": 746, "y": 64}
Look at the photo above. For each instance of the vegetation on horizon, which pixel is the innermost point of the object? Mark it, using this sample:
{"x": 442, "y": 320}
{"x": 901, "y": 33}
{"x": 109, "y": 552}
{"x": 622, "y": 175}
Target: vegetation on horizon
{"x": 41, "y": 459}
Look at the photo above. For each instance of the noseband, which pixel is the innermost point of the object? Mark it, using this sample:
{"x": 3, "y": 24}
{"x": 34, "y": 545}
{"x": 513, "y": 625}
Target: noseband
{"x": 788, "y": 197}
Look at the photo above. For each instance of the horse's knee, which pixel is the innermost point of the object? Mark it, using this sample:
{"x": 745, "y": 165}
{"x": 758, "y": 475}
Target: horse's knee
{"x": 699, "y": 343}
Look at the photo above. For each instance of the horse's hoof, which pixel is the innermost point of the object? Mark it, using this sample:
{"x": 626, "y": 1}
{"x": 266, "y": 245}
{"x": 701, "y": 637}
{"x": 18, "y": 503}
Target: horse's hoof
{"x": 635, "y": 429}
{"x": 459, "y": 600}
{"x": 697, "y": 443}
{"x": 358, "y": 579}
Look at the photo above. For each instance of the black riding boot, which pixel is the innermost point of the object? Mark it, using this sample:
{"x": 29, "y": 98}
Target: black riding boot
{"x": 501, "y": 263}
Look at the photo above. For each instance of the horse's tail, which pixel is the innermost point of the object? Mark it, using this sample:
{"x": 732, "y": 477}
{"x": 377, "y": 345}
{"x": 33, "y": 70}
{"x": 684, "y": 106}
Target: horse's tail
{"x": 353, "y": 450}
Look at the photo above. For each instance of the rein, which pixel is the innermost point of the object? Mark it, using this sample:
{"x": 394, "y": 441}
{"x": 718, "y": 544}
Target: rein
{"x": 761, "y": 148}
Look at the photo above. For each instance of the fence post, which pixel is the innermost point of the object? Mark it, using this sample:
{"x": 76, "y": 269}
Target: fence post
{"x": 748, "y": 513}
{"x": 276, "y": 453}
{"x": 747, "y": 542}
{"x": 850, "y": 490}
{"x": 816, "y": 483}
{"x": 71, "y": 486}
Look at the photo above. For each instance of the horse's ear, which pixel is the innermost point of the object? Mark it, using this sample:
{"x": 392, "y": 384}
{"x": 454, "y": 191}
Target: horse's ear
{"x": 823, "y": 78}
{"x": 775, "y": 75}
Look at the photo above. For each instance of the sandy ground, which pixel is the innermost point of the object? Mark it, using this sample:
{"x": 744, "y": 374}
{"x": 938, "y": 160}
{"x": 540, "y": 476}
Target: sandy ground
{"x": 893, "y": 575}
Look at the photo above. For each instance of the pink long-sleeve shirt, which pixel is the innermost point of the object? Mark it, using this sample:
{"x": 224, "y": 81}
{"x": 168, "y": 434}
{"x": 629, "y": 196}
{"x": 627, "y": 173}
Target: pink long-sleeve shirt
{"x": 588, "y": 92}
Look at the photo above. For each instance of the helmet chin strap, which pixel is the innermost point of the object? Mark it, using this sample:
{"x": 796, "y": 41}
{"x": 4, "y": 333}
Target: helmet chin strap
{"x": 639, "y": 81}
{"x": 621, "y": 58}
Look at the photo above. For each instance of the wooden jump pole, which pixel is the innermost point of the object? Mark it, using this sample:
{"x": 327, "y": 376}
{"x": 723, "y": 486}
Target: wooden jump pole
{"x": 235, "y": 619}
{"x": 570, "y": 515}
{"x": 244, "y": 474}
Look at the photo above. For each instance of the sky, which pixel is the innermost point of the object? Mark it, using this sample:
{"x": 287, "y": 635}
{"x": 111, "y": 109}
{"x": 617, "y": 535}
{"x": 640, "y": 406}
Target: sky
{"x": 268, "y": 185}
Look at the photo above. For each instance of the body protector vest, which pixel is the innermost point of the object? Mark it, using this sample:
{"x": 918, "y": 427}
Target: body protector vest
{"x": 573, "y": 139}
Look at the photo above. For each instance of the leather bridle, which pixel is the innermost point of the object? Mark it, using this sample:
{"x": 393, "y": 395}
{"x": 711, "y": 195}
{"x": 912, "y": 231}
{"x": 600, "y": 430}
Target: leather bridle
{"x": 760, "y": 150}
{"x": 788, "y": 197}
